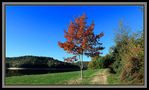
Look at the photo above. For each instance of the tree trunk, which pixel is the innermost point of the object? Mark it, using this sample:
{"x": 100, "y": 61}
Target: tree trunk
{"x": 82, "y": 67}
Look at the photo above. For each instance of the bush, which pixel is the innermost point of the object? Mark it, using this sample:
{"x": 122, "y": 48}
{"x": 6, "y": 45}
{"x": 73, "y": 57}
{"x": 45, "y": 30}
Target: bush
{"x": 95, "y": 63}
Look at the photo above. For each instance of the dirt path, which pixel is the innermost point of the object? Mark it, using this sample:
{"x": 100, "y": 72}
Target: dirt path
{"x": 100, "y": 77}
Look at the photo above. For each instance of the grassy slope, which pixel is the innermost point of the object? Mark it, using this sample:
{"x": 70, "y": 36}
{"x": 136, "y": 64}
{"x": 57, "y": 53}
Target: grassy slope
{"x": 51, "y": 78}
{"x": 113, "y": 79}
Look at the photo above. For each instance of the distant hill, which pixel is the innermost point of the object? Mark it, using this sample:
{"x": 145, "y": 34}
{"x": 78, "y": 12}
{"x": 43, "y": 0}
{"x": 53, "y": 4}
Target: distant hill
{"x": 37, "y": 62}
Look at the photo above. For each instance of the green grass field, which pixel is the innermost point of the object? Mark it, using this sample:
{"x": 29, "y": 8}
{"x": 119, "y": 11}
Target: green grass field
{"x": 51, "y": 78}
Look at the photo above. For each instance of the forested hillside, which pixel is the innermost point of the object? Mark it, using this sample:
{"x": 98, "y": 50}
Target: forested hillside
{"x": 37, "y": 62}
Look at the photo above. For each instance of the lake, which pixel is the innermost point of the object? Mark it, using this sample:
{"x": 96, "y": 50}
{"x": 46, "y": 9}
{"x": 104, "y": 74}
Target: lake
{"x": 29, "y": 71}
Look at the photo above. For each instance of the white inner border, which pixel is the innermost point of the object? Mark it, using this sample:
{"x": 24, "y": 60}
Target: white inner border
{"x": 4, "y": 4}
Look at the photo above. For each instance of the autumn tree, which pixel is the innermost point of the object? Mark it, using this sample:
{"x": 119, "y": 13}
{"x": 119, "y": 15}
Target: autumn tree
{"x": 81, "y": 40}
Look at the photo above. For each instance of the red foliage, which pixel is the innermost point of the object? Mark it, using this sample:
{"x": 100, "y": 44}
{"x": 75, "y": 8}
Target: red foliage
{"x": 70, "y": 59}
{"x": 80, "y": 38}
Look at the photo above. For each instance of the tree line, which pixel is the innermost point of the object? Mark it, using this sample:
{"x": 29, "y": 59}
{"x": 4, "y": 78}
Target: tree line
{"x": 37, "y": 62}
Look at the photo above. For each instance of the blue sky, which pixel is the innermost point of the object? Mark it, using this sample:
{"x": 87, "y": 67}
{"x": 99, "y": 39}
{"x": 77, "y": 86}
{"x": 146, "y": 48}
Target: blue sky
{"x": 35, "y": 30}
